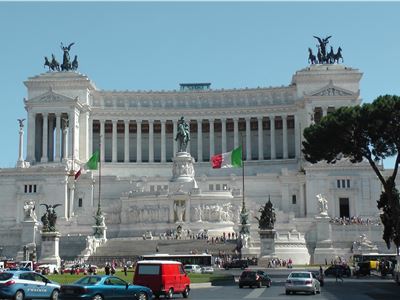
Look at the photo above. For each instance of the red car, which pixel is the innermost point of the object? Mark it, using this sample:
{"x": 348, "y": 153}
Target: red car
{"x": 163, "y": 277}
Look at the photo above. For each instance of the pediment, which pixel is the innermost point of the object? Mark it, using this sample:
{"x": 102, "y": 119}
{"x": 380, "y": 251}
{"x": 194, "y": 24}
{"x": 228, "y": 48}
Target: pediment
{"x": 331, "y": 90}
{"x": 50, "y": 97}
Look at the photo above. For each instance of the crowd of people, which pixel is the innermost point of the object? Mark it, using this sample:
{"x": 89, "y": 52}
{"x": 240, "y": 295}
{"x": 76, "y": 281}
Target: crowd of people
{"x": 355, "y": 221}
{"x": 280, "y": 263}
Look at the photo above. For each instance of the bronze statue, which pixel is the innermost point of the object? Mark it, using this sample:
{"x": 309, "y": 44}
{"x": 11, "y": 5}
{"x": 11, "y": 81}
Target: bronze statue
{"x": 54, "y": 65}
{"x": 182, "y": 135}
{"x": 49, "y": 218}
{"x": 267, "y": 218}
{"x": 66, "y": 65}
{"x": 21, "y": 122}
{"x": 338, "y": 55}
{"x": 311, "y": 57}
{"x": 322, "y": 43}
{"x": 75, "y": 63}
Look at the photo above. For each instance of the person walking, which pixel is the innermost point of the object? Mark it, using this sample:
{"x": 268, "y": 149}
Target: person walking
{"x": 339, "y": 274}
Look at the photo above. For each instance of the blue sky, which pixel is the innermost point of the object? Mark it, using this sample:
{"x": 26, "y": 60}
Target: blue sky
{"x": 157, "y": 45}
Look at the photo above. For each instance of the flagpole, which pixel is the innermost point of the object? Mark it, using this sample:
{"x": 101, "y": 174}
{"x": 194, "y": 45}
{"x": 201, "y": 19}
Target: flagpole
{"x": 98, "y": 205}
{"x": 243, "y": 203}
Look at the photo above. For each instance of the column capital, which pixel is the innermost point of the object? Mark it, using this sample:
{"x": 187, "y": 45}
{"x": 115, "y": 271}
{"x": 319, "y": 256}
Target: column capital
{"x": 211, "y": 120}
{"x": 260, "y": 118}
{"x": 151, "y": 121}
{"x": 223, "y": 119}
{"x": 114, "y": 121}
{"x": 127, "y": 121}
{"x": 247, "y": 119}
{"x": 102, "y": 121}
{"x": 163, "y": 121}
{"x": 235, "y": 119}
{"x": 199, "y": 120}
{"x": 139, "y": 121}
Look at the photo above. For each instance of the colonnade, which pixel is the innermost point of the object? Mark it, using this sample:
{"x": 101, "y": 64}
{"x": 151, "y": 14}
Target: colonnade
{"x": 50, "y": 139}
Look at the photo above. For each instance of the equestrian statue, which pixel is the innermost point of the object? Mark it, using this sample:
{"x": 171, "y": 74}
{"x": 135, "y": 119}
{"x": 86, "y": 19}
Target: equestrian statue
{"x": 182, "y": 135}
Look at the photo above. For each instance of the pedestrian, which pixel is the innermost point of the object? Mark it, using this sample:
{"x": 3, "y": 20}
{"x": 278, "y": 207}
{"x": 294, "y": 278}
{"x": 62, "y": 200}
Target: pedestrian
{"x": 338, "y": 274}
{"x": 125, "y": 270}
{"x": 107, "y": 269}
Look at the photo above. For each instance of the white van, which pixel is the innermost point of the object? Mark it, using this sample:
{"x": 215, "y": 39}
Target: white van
{"x": 192, "y": 269}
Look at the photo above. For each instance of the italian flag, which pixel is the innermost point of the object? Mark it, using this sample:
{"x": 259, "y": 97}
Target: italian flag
{"x": 91, "y": 164}
{"x": 231, "y": 159}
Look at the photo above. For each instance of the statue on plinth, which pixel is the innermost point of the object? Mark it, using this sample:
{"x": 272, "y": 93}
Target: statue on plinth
{"x": 29, "y": 211}
{"x": 323, "y": 204}
{"x": 49, "y": 218}
{"x": 182, "y": 135}
{"x": 268, "y": 217}
{"x": 66, "y": 65}
{"x": 179, "y": 208}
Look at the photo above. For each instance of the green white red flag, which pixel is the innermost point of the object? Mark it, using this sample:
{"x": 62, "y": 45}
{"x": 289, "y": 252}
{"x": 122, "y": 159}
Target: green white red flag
{"x": 92, "y": 164}
{"x": 232, "y": 159}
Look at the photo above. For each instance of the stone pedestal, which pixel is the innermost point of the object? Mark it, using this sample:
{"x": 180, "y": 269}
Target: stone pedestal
{"x": 29, "y": 231}
{"x": 292, "y": 245}
{"x": 50, "y": 253}
{"x": 182, "y": 174}
{"x": 324, "y": 249}
{"x": 267, "y": 241}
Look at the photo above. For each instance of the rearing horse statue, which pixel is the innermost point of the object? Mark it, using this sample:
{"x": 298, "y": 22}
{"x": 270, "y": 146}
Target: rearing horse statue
{"x": 182, "y": 135}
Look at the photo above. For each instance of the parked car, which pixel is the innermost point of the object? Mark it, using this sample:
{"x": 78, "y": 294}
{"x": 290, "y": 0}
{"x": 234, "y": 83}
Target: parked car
{"x": 236, "y": 263}
{"x": 333, "y": 269}
{"x": 19, "y": 285}
{"x": 362, "y": 269}
{"x": 163, "y": 277}
{"x": 192, "y": 269}
{"x": 103, "y": 287}
{"x": 207, "y": 270}
{"x": 302, "y": 281}
{"x": 256, "y": 278}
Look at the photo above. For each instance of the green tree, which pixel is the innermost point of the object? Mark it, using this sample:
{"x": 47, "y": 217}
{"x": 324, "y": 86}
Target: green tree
{"x": 369, "y": 132}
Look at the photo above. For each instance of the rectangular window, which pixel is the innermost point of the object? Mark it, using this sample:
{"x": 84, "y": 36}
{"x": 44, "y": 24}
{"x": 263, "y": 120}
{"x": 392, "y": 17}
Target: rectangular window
{"x": 344, "y": 208}
{"x": 34, "y": 188}
{"x": 343, "y": 183}
{"x": 218, "y": 187}
{"x": 149, "y": 270}
{"x": 338, "y": 183}
{"x": 348, "y": 183}
{"x": 210, "y": 187}
{"x": 294, "y": 200}
{"x": 152, "y": 188}
{"x": 165, "y": 187}
{"x": 30, "y": 188}
{"x": 80, "y": 202}
{"x": 25, "y": 188}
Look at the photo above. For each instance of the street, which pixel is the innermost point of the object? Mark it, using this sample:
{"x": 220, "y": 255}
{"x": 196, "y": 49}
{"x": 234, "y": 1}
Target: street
{"x": 352, "y": 288}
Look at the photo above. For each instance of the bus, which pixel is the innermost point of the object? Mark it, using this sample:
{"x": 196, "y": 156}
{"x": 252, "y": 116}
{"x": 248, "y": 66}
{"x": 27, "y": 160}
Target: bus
{"x": 203, "y": 260}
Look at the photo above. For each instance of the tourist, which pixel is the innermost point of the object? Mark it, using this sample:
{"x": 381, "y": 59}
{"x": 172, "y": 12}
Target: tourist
{"x": 107, "y": 269}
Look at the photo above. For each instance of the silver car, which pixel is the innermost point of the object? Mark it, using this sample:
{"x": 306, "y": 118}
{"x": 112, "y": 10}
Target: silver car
{"x": 302, "y": 281}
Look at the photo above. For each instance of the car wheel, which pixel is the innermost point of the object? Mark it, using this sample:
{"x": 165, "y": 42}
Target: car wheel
{"x": 314, "y": 292}
{"x": 259, "y": 284}
{"x": 186, "y": 292}
{"x": 141, "y": 296}
{"x": 287, "y": 292}
{"x": 19, "y": 295}
{"x": 97, "y": 297}
{"x": 269, "y": 284}
{"x": 169, "y": 294}
{"x": 54, "y": 295}
{"x": 240, "y": 286}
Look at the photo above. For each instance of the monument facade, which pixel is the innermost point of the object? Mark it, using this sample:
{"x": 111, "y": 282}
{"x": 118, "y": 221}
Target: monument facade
{"x": 155, "y": 169}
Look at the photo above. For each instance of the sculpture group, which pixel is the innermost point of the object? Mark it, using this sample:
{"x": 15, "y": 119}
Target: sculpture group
{"x": 67, "y": 65}
{"x": 324, "y": 57}
{"x": 268, "y": 217}
{"x": 49, "y": 218}
{"x": 182, "y": 135}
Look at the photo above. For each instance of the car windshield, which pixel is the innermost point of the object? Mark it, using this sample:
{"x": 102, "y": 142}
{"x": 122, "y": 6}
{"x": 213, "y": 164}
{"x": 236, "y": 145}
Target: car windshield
{"x": 5, "y": 276}
{"x": 88, "y": 280}
{"x": 300, "y": 275}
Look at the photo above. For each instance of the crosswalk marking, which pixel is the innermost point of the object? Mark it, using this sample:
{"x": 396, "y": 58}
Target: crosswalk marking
{"x": 255, "y": 293}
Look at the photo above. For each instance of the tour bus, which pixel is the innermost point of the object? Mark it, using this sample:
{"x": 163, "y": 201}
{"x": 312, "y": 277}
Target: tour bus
{"x": 203, "y": 260}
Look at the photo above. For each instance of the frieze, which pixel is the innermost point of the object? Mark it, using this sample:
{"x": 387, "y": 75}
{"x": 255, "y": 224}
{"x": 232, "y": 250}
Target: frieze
{"x": 216, "y": 99}
{"x": 331, "y": 90}
{"x": 49, "y": 97}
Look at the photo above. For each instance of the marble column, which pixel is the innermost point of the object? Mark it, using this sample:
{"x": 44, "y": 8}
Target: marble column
{"x": 114, "y": 141}
{"x": 285, "y": 136}
{"x": 151, "y": 141}
{"x": 324, "y": 111}
{"x": 260, "y": 138}
{"x": 248, "y": 139}
{"x": 138, "y": 141}
{"x": 30, "y": 151}
{"x": 102, "y": 138}
{"x": 45, "y": 137}
{"x": 199, "y": 140}
{"x": 297, "y": 140}
{"x": 236, "y": 133}
{"x": 212, "y": 146}
{"x": 223, "y": 135}
{"x": 51, "y": 138}
{"x": 175, "y": 128}
{"x": 126, "y": 141}
{"x": 272, "y": 131}
{"x": 58, "y": 138}
{"x": 163, "y": 145}
{"x": 90, "y": 137}
{"x": 71, "y": 134}
{"x": 65, "y": 142}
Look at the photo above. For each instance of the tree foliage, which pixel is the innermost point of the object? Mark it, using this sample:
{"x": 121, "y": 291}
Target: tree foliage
{"x": 370, "y": 132}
